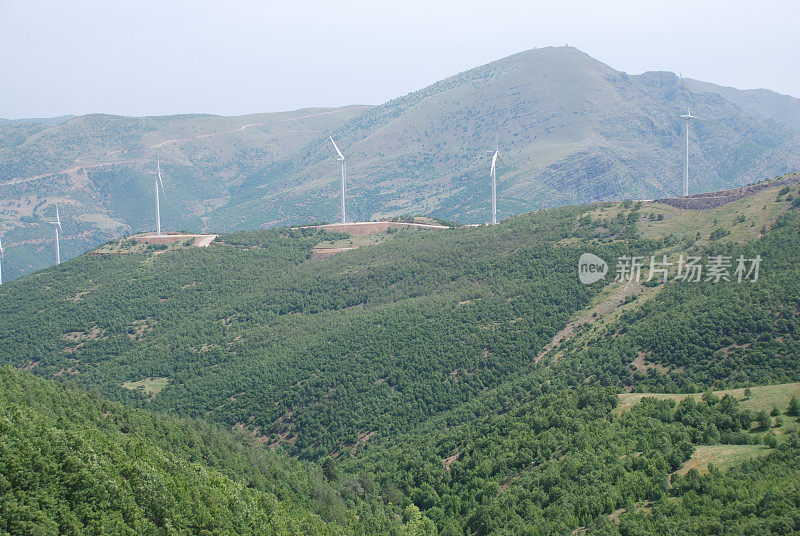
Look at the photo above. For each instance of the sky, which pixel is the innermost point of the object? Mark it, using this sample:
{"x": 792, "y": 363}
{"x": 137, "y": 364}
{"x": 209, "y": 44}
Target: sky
{"x": 142, "y": 57}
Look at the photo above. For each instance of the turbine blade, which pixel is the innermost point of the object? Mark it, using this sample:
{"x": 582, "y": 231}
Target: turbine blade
{"x": 341, "y": 156}
{"x": 687, "y": 92}
{"x": 494, "y": 163}
{"x": 58, "y": 218}
{"x": 159, "y": 175}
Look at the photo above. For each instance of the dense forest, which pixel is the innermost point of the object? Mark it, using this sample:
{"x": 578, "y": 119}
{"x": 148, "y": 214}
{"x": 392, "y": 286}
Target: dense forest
{"x": 249, "y": 332}
{"x": 71, "y": 463}
{"x": 451, "y": 382}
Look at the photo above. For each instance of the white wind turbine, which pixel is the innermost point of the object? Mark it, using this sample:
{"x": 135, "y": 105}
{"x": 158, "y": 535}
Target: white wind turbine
{"x": 57, "y": 225}
{"x": 158, "y": 208}
{"x": 687, "y": 118}
{"x": 341, "y": 159}
{"x": 493, "y": 173}
{"x": 2, "y": 258}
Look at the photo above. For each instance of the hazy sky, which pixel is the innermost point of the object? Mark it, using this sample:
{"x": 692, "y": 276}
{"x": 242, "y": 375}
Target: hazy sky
{"x": 230, "y": 57}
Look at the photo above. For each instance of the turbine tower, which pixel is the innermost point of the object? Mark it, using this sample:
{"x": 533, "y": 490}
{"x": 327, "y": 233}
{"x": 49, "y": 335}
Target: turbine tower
{"x": 341, "y": 159}
{"x": 2, "y": 257}
{"x": 57, "y": 225}
{"x": 158, "y": 208}
{"x": 687, "y": 117}
{"x": 493, "y": 174}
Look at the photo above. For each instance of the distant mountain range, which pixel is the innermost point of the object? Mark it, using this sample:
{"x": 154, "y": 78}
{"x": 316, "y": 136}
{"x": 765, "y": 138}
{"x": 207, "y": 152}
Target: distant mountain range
{"x": 571, "y": 130}
{"x": 49, "y": 121}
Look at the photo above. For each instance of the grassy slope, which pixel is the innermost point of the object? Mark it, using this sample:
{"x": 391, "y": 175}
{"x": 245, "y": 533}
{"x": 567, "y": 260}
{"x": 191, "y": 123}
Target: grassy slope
{"x": 448, "y": 437}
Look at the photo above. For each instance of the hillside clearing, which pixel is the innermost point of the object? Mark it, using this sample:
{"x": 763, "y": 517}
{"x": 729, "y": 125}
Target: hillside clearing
{"x": 761, "y": 397}
{"x": 744, "y": 217}
{"x": 149, "y": 386}
{"x": 722, "y": 456}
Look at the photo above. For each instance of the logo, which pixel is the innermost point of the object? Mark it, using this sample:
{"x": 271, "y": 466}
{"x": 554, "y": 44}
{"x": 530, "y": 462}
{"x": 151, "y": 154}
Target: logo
{"x": 591, "y": 268}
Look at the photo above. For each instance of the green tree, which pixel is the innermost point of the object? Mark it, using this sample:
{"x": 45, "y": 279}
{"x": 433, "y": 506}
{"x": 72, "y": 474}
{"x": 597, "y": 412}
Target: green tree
{"x": 416, "y": 524}
{"x": 794, "y": 407}
{"x": 763, "y": 419}
{"x": 329, "y": 470}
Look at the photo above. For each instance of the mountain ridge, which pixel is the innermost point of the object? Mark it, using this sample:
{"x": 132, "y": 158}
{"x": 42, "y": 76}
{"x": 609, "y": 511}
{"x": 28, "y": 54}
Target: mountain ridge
{"x": 572, "y": 129}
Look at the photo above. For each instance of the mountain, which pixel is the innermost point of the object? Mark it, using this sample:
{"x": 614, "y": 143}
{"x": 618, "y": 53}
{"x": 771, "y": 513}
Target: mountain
{"x": 108, "y": 172}
{"x": 572, "y": 130}
{"x": 48, "y": 121}
{"x": 761, "y": 103}
{"x": 466, "y": 375}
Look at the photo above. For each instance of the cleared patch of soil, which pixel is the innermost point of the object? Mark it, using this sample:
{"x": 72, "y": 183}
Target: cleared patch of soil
{"x": 321, "y": 253}
{"x": 362, "y": 228}
{"x": 201, "y": 240}
{"x": 641, "y": 365}
{"x": 447, "y": 462}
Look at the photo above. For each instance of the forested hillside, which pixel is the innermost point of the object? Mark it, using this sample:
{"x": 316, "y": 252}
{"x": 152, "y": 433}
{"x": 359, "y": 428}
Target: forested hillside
{"x": 463, "y": 375}
{"x": 251, "y": 334}
{"x": 74, "y": 464}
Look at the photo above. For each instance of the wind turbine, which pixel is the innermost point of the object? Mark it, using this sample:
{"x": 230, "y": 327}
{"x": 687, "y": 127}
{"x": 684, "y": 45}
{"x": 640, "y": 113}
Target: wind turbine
{"x": 341, "y": 159}
{"x": 493, "y": 173}
{"x": 57, "y": 225}
{"x": 687, "y": 118}
{"x": 158, "y": 208}
{"x": 2, "y": 257}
